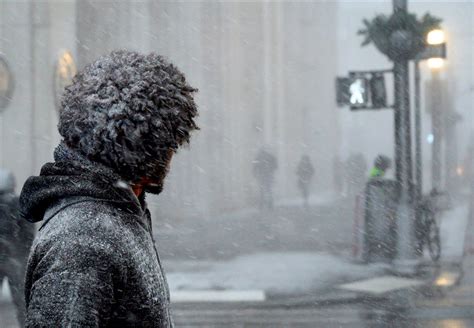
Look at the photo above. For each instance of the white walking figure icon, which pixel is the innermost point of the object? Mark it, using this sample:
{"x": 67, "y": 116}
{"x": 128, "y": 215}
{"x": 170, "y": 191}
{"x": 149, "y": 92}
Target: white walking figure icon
{"x": 357, "y": 90}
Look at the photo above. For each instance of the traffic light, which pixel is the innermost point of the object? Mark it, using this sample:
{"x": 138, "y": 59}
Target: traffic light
{"x": 358, "y": 91}
{"x": 362, "y": 90}
{"x": 377, "y": 91}
{"x": 352, "y": 91}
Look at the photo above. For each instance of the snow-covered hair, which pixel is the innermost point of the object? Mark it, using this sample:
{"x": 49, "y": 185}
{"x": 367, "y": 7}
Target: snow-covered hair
{"x": 128, "y": 111}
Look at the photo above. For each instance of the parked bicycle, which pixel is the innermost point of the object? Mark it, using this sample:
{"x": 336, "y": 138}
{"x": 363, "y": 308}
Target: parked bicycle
{"x": 428, "y": 235}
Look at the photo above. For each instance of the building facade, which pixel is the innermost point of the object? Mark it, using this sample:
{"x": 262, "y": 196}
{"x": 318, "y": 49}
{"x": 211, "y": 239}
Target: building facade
{"x": 264, "y": 71}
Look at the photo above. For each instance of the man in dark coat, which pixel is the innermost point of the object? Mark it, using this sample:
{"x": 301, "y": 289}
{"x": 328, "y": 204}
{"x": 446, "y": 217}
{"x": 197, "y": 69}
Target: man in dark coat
{"x": 16, "y": 236}
{"x": 94, "y": 262}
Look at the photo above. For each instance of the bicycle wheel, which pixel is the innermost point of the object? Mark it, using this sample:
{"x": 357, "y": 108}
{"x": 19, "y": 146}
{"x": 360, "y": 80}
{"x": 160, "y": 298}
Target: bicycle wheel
{"x": 434, "y": 242}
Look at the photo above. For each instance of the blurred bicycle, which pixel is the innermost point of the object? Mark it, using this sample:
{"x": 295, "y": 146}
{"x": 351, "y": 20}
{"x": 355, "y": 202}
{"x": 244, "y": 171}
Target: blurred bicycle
{"x": 428, "y": 235}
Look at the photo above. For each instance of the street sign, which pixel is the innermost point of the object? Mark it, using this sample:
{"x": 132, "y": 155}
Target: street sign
{"x": 6, "y": 83}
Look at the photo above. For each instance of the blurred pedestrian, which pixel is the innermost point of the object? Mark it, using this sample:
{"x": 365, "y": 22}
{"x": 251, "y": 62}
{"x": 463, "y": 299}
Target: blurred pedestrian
{"x": 94, "y": 262}
{"x": 305, "y": 173}
{"x": 264, "y": 168}
{"x": 381, "y": 164}
{"x": 16, "y": 236}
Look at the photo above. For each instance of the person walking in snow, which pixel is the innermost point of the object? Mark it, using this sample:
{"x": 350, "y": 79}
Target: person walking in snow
{"x": 305, "y": 173}
{"x": 94, "y": 262}
{"x": 16, "y": 237}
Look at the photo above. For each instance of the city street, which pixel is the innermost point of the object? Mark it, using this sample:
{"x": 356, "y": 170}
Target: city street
{"x": 353, "y": 316}
{"x": 451, "y": 309}
{"x": 433, "y": 308}
{"x": 430, "y": 306}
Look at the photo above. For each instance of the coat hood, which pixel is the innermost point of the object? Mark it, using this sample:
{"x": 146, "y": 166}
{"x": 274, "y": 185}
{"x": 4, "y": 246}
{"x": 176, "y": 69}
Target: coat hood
{"x": 73, "y": 175}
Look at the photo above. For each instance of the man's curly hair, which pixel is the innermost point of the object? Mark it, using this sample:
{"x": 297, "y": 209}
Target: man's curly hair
{"x": 128, "y": 111}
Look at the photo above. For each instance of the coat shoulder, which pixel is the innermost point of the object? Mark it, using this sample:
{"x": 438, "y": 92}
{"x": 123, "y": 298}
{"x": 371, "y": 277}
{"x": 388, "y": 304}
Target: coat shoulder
{"x": 79, "y": 237}
{"x": 86, "y": 221}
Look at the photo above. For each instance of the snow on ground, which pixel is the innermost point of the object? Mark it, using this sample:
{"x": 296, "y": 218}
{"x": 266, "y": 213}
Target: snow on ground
{"x": 452, "y": 230}
{"x": 292, "y": 272}
{"x": 313, "y": 200}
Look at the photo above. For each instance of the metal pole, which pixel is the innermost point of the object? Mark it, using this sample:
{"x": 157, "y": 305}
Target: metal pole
{"x": 418, "y": 151}
{"x": 450, "y": 119}
{"x": 451, "y": 154}
{"x": 437, "y": 133}
{"x": 403, "y": 159}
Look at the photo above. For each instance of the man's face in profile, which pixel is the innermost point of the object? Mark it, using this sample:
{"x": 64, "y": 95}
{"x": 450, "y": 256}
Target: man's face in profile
{"x": 155, "y": 184}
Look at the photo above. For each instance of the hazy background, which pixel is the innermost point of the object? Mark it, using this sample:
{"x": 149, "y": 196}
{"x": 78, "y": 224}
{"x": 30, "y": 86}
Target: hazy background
{"x": 265, "y": 71}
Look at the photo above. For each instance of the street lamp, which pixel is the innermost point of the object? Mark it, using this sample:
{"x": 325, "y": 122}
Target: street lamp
{"x": 434, "y": 54}
{"x": 435, "y": 37}
{"x": 435, "y": 64}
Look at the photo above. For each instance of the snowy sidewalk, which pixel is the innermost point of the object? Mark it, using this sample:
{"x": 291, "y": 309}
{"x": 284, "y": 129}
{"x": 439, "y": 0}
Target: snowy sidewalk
{"x": 283, "y": 274}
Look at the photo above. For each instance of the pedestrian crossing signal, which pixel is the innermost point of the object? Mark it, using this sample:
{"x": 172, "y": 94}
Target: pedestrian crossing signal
{"x": 358, "y": 92}
{"x": 362, "y": 90}
{"x": 352, "y": 92}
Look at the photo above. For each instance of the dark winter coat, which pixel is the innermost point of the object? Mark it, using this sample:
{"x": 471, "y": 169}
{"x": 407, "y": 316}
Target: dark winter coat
{"x": 94, "y": 261}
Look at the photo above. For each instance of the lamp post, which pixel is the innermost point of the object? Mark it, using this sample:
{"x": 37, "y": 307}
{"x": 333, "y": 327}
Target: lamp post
{"x": 435, "y": 38}
{"x": 436, "y": 64}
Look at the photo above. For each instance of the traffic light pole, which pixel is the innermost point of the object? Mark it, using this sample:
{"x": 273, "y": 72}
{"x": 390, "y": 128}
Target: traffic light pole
{"x": 403, "y": 159}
